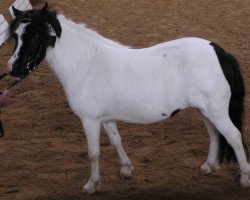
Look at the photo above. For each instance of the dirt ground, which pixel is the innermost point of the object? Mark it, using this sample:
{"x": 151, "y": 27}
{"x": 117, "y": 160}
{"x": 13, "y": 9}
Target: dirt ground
{"x": 44, "y": 153}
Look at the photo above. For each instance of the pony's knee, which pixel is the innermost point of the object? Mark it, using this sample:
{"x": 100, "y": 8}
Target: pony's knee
{"x": 94, "y": 156}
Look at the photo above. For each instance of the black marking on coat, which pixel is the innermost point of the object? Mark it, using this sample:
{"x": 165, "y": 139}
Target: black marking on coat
{"x": 175, "y": 112}
{"x": 164, "y": 115}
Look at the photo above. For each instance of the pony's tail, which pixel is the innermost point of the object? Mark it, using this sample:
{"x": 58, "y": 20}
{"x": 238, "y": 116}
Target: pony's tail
{"x": 231, "y": 70}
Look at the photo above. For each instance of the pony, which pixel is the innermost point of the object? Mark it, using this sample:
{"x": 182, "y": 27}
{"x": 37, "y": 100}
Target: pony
{"x": 106, "y": 82}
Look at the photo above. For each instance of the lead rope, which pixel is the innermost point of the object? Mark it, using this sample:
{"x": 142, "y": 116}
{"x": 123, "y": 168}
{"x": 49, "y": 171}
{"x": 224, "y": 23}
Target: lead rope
{"x": 1, "y": 129}
{"x": 10, "y": 86}
{"x": 3, "y": 75}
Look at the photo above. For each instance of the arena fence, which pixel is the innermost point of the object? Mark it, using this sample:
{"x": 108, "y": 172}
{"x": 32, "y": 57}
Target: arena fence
{"x": 4, "y": 24}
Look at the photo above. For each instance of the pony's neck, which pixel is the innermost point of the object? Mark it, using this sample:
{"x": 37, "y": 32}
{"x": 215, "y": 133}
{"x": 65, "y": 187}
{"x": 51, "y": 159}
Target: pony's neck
{"x": 75, "y": 49}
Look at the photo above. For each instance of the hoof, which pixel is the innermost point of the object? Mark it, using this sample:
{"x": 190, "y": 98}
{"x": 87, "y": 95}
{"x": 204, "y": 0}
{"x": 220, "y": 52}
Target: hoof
{"x": 90, "y": 187}
{"x": 126, "y": 171}
{"x": 207, "y": 168}
{"x": 125, "y": 176}
{"x": 244, "y": 180}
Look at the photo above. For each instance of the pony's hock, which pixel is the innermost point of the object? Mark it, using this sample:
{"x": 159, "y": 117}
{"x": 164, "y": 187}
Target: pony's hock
{"x": 106, "y": 82}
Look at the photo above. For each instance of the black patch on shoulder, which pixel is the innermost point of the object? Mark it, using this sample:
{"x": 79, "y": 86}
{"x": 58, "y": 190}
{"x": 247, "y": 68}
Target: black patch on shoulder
{"x": 175, "y": 112}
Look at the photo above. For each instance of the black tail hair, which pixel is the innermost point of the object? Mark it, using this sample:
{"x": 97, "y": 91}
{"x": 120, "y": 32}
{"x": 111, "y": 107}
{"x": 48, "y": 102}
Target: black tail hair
{"x": 231, "y": 70}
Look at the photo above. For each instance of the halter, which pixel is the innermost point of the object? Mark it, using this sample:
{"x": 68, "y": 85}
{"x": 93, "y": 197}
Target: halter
{"x": 32, "y": 64}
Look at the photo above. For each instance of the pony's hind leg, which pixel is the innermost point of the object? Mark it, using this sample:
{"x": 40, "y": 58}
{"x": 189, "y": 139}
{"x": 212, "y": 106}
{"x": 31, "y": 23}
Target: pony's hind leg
{"x": 225, "y": 126}
{"x": 212, "y": 162}
{"x": 115, "y": 139}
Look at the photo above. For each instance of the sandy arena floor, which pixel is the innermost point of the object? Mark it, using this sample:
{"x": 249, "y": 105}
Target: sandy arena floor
{"x": 43, "y": 155}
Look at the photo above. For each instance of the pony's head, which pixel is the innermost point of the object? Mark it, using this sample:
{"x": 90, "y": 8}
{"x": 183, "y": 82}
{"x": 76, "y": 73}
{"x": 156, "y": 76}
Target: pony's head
{"x": 34, "y": 31}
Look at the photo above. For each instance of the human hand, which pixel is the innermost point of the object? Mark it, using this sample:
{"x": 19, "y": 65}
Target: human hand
{"x": 4, "y": 95}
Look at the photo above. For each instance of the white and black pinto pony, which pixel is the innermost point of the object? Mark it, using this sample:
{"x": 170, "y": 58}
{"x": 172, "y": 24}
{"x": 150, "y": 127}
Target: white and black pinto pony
{"x": 107, "y": 82}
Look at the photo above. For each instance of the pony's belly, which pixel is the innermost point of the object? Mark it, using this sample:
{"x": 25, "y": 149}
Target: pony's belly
{"x": 142, "y": 117}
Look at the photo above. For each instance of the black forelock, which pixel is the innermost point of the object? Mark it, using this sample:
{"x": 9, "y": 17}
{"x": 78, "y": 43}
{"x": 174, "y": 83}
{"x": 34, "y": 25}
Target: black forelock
{"x": 24, "y": 17}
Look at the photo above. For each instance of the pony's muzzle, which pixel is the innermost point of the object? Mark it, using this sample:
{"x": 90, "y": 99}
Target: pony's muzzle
{"x": 10, "y": 65}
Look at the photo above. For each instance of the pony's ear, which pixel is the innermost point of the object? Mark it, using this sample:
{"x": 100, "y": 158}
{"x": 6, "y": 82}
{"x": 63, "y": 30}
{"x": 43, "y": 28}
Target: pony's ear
{"x": 46, "y": 6}
{"x": 16, "y": 11}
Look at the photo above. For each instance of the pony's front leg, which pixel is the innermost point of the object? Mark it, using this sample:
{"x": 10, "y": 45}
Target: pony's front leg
{"x": 92, "y": 131}
{"x": 115, "y": 139}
